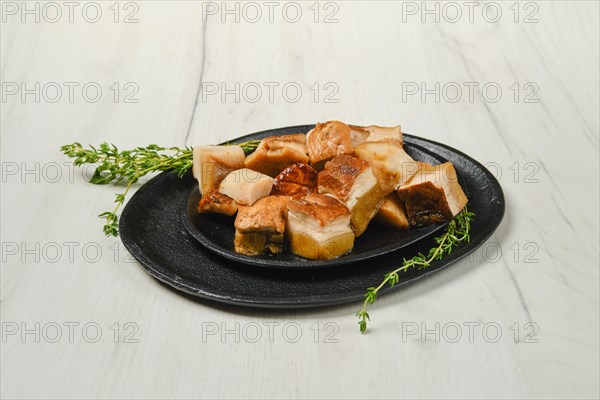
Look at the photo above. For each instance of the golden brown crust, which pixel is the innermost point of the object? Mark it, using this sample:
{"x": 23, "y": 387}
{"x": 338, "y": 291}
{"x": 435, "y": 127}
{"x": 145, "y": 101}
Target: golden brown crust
{"x": 296, "y": 139}
{"x": 296, "y": 181}
{"x": 339, "y": 175}
{"x": 268, "y": 214}
{"x": 290, "y": 189}
{"x": 300, "y": 173}
{"x": 326, "y": 141}
{"x": 214, "y": 201}
{"x": 323, "y": 209}
{"x": 274, "y": 153}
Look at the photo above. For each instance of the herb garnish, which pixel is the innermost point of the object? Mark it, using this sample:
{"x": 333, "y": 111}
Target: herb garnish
{"x": 456, "y": 233}
{"x": 130, "y": 165}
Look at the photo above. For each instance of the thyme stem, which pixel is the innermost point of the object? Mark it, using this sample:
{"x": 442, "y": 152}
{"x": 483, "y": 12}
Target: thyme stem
{"x": 114, "y": 166}
{"x": 456, "y": 233}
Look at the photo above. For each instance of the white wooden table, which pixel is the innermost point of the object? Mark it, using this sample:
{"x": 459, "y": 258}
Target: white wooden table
{"x": 518, "y": 91}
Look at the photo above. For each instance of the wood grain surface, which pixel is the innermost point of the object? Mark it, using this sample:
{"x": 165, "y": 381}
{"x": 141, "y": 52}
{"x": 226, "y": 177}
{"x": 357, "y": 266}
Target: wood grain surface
{"x": 517, "y": 89}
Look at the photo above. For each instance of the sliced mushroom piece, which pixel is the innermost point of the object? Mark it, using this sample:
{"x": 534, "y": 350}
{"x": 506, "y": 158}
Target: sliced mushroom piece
{"x": 246, "y": 186}
{"x": 392, "y": 212}
{"x": 275, "y": 153}
{"x": 433, "y": 194}
{"x": 296, "y": 181}
{"x": 352, "y": 182}
{"x": 211, "y": 164}
{"x": 358, "y": 135}
{"x": 377, "y": 133}
{"x": 215, "y": 202}
{"x": 260, "y": 228}
{"x": 318, "y": 227}
{"x": 391, "y": 165}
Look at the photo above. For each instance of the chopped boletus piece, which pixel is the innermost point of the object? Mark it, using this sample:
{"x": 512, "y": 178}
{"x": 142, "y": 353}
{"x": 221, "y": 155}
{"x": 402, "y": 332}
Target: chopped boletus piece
{"x": 274, "y": 153}
{"x": 318, "y": 227}
{"x": 377, "y": 133}
{"x": 391, "y": 165}
{"x": 374, "y": 133}
{"x": 297, "y": 180}
{"x": 433, "y": 194}
{"x": 326, "y": 141}
{"x": 215, "y": 202}
{"x": 246, "y": 186}
{"x": 358, "y": 134}
{"x": 211, "y": 164}
{"x": 259, "y": 228}
{"x": 352, "y": 182}
{"x": 392, "y": 213}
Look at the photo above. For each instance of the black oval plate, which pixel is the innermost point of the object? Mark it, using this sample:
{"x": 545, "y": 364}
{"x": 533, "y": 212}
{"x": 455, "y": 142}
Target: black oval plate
{"x": 151, "y": 230}
{"x": 216, "y": 232}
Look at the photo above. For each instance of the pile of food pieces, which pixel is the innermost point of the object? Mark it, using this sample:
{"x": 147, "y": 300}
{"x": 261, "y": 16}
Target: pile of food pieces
{"x": 316, "y": 193}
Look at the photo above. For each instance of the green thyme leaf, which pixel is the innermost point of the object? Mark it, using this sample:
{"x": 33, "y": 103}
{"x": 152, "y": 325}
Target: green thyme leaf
{"x": 114, "y": 166}
{"x": 456, "y": 233}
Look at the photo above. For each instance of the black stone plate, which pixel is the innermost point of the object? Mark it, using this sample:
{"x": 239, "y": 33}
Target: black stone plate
{"x": 151, "y": 230}
{"x": 216, "y": 232}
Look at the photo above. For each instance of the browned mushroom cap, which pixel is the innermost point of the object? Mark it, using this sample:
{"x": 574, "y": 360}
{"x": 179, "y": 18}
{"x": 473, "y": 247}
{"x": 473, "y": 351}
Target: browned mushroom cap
{"x": 274, "y": 153}
{"x": 216, "y": 202}
{"x": 296, "y": 180}
{"x": 326, "y": 141}
{"x": 352, "y": 182}
{"x": 339, "y": 175}
{"x": 323, "y": 209}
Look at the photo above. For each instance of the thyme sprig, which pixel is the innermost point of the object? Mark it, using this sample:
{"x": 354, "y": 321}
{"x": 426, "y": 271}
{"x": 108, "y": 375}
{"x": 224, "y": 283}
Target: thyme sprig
{"x": 457, "y": 232}
{"x": 249, "y": 146}
{"x": 118, "y": 166}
